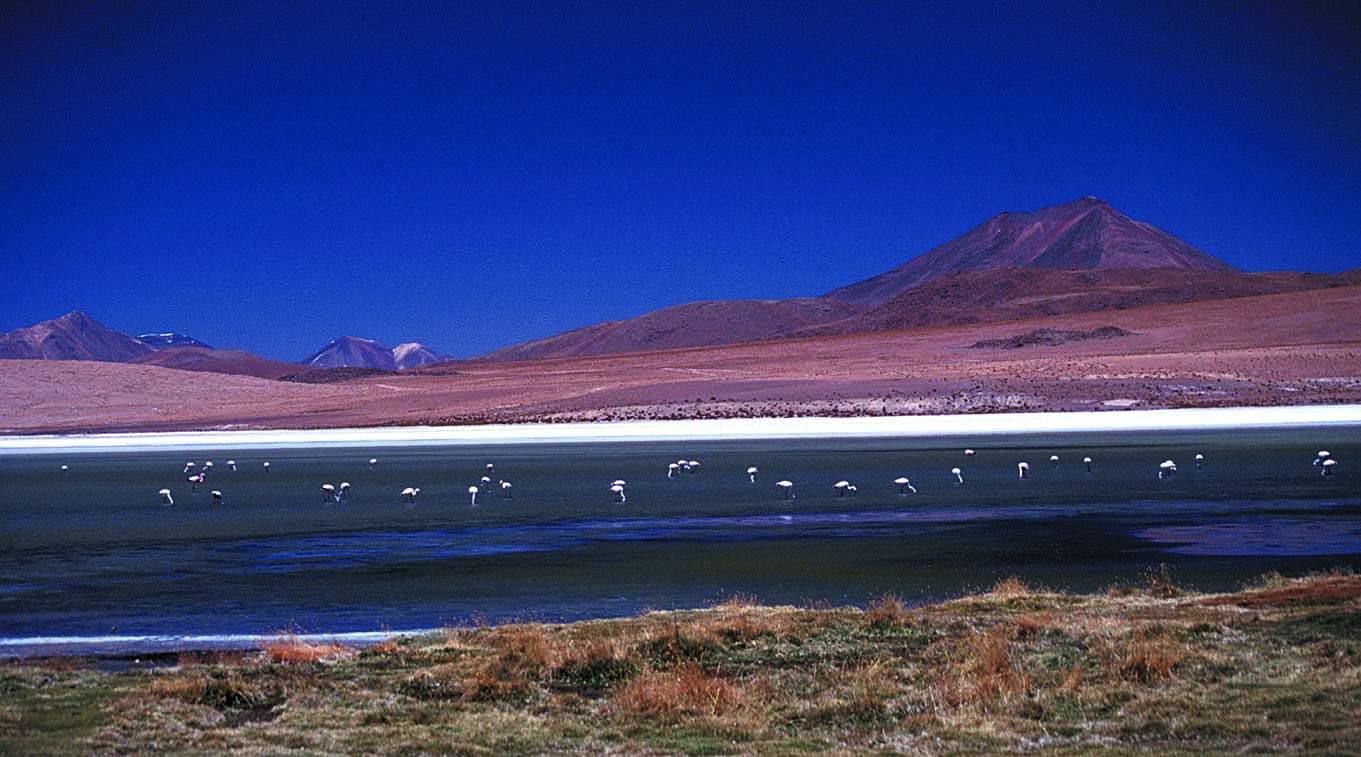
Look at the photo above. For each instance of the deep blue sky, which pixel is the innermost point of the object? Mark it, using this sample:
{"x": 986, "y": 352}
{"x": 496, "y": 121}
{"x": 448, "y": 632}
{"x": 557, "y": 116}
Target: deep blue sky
{"x": 272, "y": 178}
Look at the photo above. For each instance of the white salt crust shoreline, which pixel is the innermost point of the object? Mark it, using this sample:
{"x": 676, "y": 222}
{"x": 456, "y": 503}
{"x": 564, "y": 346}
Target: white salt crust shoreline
{"x": 736, "y": 429}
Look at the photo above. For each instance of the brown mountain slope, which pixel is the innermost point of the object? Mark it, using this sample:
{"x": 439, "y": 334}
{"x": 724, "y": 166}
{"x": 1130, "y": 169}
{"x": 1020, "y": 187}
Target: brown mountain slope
{"x": 1013, "y": 293}
{"x": 218, "y": 361}
{"x": 74, "y": 336}
{"x": 1083, "y": 235}
{"x": 353, "y": 352}
{"x": 693, "y": 324}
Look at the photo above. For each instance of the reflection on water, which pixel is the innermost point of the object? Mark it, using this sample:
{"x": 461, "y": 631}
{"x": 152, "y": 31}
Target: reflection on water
{"x": 1262, "y": 536}
{"x": 90, "y": 552}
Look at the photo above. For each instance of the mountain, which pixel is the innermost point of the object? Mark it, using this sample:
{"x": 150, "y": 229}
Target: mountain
{"x": 1083, "y": 235}
{"x": 694, "y": 324}
{"x": 1007, "y": 294}
{"x": 353, "y": 352}
{"x": 74, "y": 336}
{"x": 208, "y": 360}
{"x": 161, "y": 341}
{"x": 415, "y": 355}
{"x": 1063, "y": 241}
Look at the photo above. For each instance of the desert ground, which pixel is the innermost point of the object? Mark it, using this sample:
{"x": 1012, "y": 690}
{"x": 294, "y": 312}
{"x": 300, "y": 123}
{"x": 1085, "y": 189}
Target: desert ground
{"x": 1293, "y": 348}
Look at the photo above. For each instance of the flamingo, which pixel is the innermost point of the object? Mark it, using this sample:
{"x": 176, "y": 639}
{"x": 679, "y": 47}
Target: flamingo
{"x": 207, "y": 465}
{"x": 1328, "y": 466}
{"x": 344, "y": 491}
{"x": 189, "y": 466}
{"x": 373, "y": 461}
{"x": 1054, "y": 460}
{"x": 485, "y": 481}
{"x": 328, "y": 492}
{"x": 266, "y": 464}
{"x": 232, "y": 463}
{"x": 959, "y": 476}
{"x": 1323, "y": 454}
{"x": 969, "y": 454}
{"x": 751, "y": 473}
{"x": 410, "y": 493}
{"x": 1087, "y": 461}
{"x": 619, "y": 482}
{"x": 841, "y": 488}
{"x": 195, "y": 479}
{"x": 165, "y": 497}
{"x": 1200, "y": 461}
{"x": 66, "y": 467}
{"x": 905, "y": 485}
{"x": 217, "y": 497}
{"x": 671, "y": 470}
{"x": 692, "y": 466}
{"x": 1166, "y": 468}
{"x": 505, "y": 489}
{"x": 1023, "y": 469}
{"x": 786, "y": 488}
{"x": 472, "y": 496}
{"x": 619, "y": 492}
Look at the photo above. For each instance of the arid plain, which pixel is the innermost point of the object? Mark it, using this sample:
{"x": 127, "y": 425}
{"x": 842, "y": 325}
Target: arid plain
{"x": 1291, "y": 348}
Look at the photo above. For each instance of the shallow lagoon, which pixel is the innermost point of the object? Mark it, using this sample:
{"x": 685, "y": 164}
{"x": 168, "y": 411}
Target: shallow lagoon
{"x": 91, "y": 553}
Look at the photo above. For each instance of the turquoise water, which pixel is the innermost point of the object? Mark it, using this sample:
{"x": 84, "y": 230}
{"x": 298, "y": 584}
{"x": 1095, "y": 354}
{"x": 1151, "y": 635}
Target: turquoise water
{"x": 90, "y": 557}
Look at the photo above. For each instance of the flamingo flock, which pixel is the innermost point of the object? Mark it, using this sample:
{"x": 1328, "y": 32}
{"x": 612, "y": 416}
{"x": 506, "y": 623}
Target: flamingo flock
{"x": 198, "y": 474}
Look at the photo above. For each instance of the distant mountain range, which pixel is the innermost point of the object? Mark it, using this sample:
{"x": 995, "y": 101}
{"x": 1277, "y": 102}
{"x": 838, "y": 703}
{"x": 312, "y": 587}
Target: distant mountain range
{"x": 354, "y": 352}
{"x": 1078, "y": 257}
{"x": 1082, "y": 256}
{"x": 77, "y": 336}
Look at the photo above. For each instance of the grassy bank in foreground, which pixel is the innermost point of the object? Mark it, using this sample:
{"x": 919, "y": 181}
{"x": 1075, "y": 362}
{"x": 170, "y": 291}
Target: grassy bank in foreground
{"x": 1275, "y": 666}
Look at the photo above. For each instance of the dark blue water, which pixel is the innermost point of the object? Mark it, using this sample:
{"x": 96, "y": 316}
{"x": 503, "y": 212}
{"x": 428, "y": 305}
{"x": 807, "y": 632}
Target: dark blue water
{"x": 92, "y": 552}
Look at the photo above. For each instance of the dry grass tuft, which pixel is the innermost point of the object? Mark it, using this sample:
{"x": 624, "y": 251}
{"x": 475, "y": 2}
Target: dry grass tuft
{"x": 887, "y": 611}
{"x": 1330, "y": 589}
{"x": 1150, "y": 658}
{"x": 522, "y": 655}
{"x": 1010, "y": 588}
{"x": 739, "y": 602}
{"x": 980, "y": 669}
{"x": 290, "y": 648}
{"x": 679, "y": 693}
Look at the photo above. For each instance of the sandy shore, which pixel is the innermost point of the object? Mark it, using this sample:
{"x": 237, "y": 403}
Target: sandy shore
{"x": 732, "y": 429}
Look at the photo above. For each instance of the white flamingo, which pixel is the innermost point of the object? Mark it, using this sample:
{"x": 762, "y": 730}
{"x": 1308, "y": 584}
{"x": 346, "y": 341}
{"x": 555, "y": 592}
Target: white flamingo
{"x": 66, "y": 467}
{"x": 1087, "y": 461}
{"x": 1200, "y": 461}
{"x": 505, "y": 489}
{"x": 1328, "y": 466}
{"x": 189, "y": 466}
{"x": 410, "y": 493}
{"x": 266, "y": 464}
{"x": 472, "y": 496}
{"x": 692, "y": 466}
{"x": 1054, "y": 460}
{"x": 1166, "y": 468}
{"x": 905, "y": 485}
{"x": 195, "y": 479}
{"x": 207, "y": 465}
{"x": 969, "y": 454}
{"x": 485, "y": 482}
{"x": 671, "y": 470}
{"x": 165, "y": 497}
{"x": 1022, "y": 469}
{"x": 1323, "y": 454}
{"x": 786, "y": 488}
{"x": 842, "y": 487}
{"x": 373, "y": 461}
{"x": 217, "y": 497}
{"x": 232, "y": 463}
{"x": 619, "y": 492}
{"x": 959, "y": 475}
{"x": 328, "y": 492}
{"x": 344, "y": 491}
{"x": 751, "y": 473}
